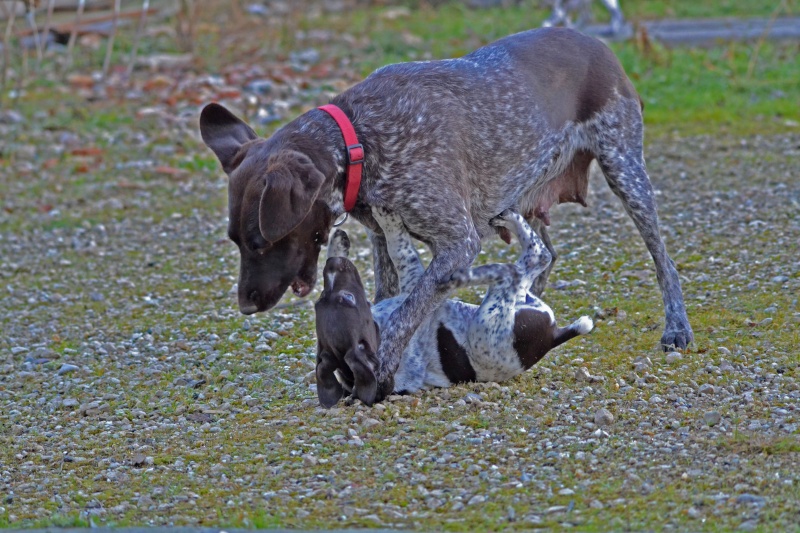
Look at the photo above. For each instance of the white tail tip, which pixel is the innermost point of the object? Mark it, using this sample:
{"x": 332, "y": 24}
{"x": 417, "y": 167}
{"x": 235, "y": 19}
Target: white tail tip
{"x": 583, "y": 325}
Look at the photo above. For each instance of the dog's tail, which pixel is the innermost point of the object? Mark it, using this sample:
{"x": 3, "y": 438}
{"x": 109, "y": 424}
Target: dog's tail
{"x": 581, "y": 326}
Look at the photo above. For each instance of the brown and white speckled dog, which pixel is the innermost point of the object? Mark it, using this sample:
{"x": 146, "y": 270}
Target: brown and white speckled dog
{"x": 509, "y": 332}
{"x": 448, "y": 144}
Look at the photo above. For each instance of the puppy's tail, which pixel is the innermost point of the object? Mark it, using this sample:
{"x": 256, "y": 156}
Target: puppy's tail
{"x": 581, "y": 326}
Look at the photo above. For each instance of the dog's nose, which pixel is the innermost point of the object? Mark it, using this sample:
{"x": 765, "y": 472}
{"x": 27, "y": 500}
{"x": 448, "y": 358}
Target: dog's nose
{"x": 248, "y": 309}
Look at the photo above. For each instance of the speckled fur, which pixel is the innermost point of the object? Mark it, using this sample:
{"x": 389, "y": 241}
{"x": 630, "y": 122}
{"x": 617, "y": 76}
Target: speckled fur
{"x": 485, "y": 332}
{"x": 450, "y": 144}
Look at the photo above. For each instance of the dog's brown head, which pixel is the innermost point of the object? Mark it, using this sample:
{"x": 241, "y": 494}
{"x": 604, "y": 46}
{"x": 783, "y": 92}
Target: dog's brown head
{"x": 275, "y": 215}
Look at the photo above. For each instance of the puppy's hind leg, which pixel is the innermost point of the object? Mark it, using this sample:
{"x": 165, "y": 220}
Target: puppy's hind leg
{"x": 535, "y": 258}
{"x": 540, "y": 282}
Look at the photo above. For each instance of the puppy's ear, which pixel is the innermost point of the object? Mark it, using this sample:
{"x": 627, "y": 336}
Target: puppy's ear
{"x": 224, "y": 133}
{"x": 329, "y": 390}
{"x": 360, "y": 360}
{"x": 339, "y": 245}
{"x": 292, "y": 185}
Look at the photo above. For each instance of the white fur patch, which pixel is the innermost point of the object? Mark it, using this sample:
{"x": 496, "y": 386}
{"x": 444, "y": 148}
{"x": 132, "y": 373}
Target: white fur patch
{"x": 583, "y": 325}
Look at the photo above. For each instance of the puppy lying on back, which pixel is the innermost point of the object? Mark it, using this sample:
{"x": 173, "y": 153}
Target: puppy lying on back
{"x": 507, "y": 334}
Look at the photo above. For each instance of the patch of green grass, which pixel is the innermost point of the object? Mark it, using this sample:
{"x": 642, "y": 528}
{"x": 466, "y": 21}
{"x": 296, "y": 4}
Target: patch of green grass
{"x": 755, "y": 444}
{"x": 736, "y": 88}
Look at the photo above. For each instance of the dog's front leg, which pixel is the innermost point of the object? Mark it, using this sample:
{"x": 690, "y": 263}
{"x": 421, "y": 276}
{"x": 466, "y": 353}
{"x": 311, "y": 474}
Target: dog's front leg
{"x": 386, "y": 282}
{"x": 421, "y": 302}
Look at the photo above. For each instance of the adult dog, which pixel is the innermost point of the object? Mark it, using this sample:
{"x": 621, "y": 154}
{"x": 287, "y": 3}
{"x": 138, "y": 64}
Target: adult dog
{"x": 509, "y": 332}
{"x": 446, "y": 145}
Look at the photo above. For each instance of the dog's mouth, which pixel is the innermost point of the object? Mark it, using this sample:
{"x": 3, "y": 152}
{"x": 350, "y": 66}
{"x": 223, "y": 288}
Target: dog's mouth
{"x": 300, "y": 288}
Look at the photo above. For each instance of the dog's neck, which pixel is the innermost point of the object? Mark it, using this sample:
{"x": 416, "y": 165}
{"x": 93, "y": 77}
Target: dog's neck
{"x": 318, "y": 136}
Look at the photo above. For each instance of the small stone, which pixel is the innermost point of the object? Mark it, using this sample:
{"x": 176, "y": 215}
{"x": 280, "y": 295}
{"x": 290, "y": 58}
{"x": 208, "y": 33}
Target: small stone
{"x": 748, "y": 525}
{"x": 582, "y": 374}
{"x": 70, "y": 403}
{"x": 310, "y": 377}
{"x": 66, "y": 368}
{"x": 694, "y": 512}
{"x": 370, "y": 422}
{"x": 566, "y": 492}
{"x": 250, "y": 401}
{"x": 603, "y": 417}
{"x": 673, "y": 357}
{"x": 138, "y": 460}
{"x": 10, "y": 116}
{"x": 712, "y": 418}
{"x": 477, "y": 499}
{"x": 452, "y": 437}
{"x": 707, "y": 388}
{"x": 471, "y": 397}
{"x": 780, "y": 279}
{"x": 310, "y": 459}
{"x": 751, "y": 499}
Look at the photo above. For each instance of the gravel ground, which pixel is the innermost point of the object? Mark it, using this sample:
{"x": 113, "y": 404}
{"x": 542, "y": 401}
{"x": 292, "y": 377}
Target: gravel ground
{"x": 133, "y": 393}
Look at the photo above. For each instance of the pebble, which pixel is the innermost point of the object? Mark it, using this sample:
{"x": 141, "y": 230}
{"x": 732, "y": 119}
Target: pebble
{"x": 748, "y": 525}
{"x": 751, "y": 499}
{"x": 472, "y": 397}
{"x": 780, "y": 279}
{"x": 370, "y": 422}
{"x": 712, "y": 418}
{"x": 477, "y": 499}
{"x": 707, "y": 388}
{"x": 582, "y": 374}
{"x": 673, "y": 357}
{"x": 603, "y": 417}
{"x": 66, "y": 368}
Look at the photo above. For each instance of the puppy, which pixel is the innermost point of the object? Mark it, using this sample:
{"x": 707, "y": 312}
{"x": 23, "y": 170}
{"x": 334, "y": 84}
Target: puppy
{"x": 504, "y": 336}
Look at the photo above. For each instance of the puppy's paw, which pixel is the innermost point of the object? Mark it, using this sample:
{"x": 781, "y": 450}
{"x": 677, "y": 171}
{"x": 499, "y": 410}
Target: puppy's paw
{"x": 339, "y": 244}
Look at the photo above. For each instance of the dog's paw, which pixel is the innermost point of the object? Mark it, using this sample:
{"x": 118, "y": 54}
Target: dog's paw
{"x": 504, "y": 219}
{"x": 677, "y": 339}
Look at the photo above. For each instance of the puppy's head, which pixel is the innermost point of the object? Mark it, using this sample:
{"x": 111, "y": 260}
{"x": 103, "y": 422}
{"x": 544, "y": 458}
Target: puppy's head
{"x": 275, "y": 216}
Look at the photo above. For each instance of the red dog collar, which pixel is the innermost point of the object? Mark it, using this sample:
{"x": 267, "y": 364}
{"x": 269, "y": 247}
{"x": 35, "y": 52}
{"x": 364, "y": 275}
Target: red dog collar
{"x": 355, "y": 155}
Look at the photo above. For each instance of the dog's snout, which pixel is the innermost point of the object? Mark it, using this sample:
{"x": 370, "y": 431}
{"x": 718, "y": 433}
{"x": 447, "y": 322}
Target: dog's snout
{"x": 248, "y": 309}
{"x": 250, "y": 305}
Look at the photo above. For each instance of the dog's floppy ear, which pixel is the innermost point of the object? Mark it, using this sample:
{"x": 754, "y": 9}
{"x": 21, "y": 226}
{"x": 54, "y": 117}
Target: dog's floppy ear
{"x": 329, "y": 390}
{"x": 293, "y": 183}
{"x": 224, "y": 133}
{"x": 365, "y": 383}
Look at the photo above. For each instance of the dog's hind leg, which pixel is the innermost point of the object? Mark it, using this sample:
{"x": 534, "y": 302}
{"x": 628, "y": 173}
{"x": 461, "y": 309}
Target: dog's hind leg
{"x": 386, "y": 282}
{"x": 619, "y": 137}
